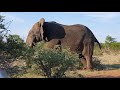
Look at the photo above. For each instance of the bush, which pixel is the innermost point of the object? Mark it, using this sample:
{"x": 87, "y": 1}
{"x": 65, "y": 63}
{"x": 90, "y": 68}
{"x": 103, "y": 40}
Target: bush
{"x": 97, "y": 65}
{"x": 111, "y": 48}
{"x": 2, "y": 46}
{"x": 111, "y": 45}
{"x": 15, "y": 46}
{"x": 115, "y": 46}
{"x": 107, "y": 48}
{"x": 28, "y": 55}
{"x": 51, "y": 62}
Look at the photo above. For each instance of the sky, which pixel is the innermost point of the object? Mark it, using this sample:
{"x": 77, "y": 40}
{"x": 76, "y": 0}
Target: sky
{"x": 100, "y": 23}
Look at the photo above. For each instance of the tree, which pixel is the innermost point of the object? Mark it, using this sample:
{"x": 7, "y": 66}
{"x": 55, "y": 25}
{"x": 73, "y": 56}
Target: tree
{"x": 109, "y": 40}
{"x": 2, "y": 26}
{"x": 111, "y": 44}
{"x": 14, "y": 39}
{"x": 15, "y": 45}
{"x": 3, "y": 29}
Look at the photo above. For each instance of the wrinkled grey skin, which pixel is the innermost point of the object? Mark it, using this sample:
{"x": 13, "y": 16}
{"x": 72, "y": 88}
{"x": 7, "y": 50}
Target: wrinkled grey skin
{"x": 78, "y": 38}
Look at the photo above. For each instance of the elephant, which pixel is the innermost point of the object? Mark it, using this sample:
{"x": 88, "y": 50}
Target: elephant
{"x": 79, "y": 38}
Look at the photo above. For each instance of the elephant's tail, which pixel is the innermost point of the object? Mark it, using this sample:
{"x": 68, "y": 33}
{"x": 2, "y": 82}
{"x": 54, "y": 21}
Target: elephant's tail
{"x": 95, "y": 38}
{"x": 98, "y": 43}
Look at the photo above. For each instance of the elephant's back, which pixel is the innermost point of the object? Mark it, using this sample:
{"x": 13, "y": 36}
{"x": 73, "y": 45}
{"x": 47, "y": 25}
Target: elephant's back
{"x": 78, "y": 27}
{"x": 74, "y": 34}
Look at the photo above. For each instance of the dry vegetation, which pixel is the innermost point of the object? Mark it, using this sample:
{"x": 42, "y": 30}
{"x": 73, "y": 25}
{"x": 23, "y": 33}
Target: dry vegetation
{"x": 110, "y": 63}
{"x": 110, "y": 58}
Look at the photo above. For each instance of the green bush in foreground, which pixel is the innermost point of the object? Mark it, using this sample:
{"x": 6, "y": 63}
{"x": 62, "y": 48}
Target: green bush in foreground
{"x": 53, "y": 63}
{"x": 15, "y": 46}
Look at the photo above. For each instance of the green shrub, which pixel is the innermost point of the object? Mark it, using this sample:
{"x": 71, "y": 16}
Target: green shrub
{"x": 15, "y": 46}
{"x": 115, "y": 46}
{"x": 53, "y": 63}
{"x": 28, "y": 55}
{"x": 97, "y": 65}
{"x": 2, "y": 46}
{"x": 111, "y": 48}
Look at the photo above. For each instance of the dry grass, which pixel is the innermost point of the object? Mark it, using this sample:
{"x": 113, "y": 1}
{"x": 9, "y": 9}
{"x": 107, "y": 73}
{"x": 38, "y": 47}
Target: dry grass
{"x": 109, "y": 58}
{"x": 30, "y": 75}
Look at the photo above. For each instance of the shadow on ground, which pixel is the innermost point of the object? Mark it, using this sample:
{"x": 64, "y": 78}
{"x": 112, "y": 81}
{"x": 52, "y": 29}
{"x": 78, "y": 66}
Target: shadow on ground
{"x": 99, "y": 66}
{"x": 111, "y": 67}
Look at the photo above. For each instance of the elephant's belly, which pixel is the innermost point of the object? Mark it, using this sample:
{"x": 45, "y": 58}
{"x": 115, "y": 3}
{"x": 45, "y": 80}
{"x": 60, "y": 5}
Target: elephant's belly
{"x": 73, "y": 45}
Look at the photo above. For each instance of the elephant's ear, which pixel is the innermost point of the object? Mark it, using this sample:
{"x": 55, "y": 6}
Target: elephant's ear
{"x": 41, "y": 22}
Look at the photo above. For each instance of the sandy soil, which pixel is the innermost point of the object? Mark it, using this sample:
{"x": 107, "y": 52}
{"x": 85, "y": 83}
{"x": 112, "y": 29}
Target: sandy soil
{"x": 102, "y": 74}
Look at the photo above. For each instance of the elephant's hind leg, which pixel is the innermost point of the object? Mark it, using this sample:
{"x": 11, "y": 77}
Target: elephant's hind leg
{"x": 88, "y": 52}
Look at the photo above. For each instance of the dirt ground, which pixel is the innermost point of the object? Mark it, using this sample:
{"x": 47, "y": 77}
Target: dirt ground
{"x": 95, "y": 74}
{"x": 102, "y": 74}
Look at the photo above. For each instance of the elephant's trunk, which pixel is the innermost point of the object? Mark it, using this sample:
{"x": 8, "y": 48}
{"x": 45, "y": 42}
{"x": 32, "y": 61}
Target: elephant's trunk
{"x": 29, "y": 42}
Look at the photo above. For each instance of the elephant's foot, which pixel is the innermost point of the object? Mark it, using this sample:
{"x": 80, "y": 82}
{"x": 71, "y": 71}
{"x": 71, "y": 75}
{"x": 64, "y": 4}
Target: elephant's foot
{"x": 86, "y": 69}
{"x": 89, "y": 68}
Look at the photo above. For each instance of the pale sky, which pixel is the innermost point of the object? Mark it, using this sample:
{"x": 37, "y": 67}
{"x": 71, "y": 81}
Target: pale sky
{"x": 100, "y": 23}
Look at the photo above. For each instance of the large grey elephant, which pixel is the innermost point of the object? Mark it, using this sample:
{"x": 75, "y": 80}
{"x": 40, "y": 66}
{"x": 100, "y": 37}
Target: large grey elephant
{"x": 78, "y": 38}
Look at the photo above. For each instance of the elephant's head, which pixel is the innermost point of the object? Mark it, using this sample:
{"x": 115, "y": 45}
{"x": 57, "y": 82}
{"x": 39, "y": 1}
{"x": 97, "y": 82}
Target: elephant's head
{"x": 36, "y": 33}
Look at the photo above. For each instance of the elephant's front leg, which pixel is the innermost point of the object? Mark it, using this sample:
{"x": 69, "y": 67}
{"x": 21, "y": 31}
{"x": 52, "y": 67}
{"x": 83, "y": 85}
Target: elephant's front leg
{"x": 52, "y": 43}
{"x": 83, "y": 61}
{"x": 88, "y": 52}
